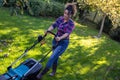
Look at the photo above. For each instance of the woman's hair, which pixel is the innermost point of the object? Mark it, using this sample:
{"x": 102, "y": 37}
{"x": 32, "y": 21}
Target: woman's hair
{"x": 71, "y": 7}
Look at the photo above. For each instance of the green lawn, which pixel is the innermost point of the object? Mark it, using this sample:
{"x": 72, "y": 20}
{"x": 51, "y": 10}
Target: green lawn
{"x": 86, "y": 58}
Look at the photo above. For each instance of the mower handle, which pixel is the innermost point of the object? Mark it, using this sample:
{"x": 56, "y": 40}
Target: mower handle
{"x": 40, "y": 38}
{"x": 51, "y": 33}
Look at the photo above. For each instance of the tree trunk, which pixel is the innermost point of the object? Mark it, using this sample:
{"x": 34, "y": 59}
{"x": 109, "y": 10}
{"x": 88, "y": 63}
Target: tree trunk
{"x": 102, "y": 25}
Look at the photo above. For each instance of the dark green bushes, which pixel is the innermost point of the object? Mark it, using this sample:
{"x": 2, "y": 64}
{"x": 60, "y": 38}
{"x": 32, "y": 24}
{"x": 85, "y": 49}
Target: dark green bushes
{"x": 1, "y": 2}
{"x": 115, "y": 34}
{"x": 63, "y": 1}
{"x": 38, "y": 7}
{"x": 43, "y": 8}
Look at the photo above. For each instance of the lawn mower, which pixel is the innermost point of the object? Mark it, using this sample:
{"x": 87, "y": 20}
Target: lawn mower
{"x": 28, "y": 69}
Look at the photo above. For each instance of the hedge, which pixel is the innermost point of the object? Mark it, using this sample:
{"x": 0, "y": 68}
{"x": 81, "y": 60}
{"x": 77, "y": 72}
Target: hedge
{"x": 115, "y": 34}
{"x": 43, "y": 8}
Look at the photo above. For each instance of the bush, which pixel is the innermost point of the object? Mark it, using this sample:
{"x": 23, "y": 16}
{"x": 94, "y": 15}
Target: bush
{"x": 107, "y": 25}
{"x": 1, "y": 2}
{"x": 43, "y": 8}
{"x": 115, "y": 34}
{"x": 37, "y": 7}
{"x": 58, "y": 9}
{"x": 63, "y": 1}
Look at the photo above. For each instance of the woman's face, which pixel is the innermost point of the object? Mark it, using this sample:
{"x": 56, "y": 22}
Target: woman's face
{"x": 66, "y": 15}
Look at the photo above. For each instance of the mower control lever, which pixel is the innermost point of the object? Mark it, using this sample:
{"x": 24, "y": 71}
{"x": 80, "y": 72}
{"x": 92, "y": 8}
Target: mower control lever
{"x": 51, "y": 33}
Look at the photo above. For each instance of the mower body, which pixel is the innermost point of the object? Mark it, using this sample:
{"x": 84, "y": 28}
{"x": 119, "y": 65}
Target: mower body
{"x": 27, "y": 70}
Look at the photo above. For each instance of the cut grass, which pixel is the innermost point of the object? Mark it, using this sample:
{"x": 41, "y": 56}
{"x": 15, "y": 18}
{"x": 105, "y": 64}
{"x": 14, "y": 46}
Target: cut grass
{"x": 86, "y": 58}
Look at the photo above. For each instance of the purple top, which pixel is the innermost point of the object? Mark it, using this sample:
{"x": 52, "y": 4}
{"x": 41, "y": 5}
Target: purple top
{"x": 63, "y": 27}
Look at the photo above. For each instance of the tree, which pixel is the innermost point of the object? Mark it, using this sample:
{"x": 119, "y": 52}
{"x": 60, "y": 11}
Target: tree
{"x": 102, "y": 25}
{"x": 3, "y": 2}
{"x": 110, "y": 8}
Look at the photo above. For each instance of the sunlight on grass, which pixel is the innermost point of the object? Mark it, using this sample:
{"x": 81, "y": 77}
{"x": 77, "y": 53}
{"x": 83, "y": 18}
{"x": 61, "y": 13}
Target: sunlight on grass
{"x": 1, "y": 24}
{"x": 85, "y": 70}
{"x": 34, "y": 53}
{"x": 101, "y": 62}
{"x": 8, "y": 30}
{"x": 86, "y": 42}
{"x": 66, "y": 56}
{"x": 79, "y": 25}
{"x": 36, "y": 32}
{"x": 25, "y": 20}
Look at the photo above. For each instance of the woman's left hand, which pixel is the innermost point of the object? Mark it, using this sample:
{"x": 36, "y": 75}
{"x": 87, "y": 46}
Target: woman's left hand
{"x": 57, "y": 38}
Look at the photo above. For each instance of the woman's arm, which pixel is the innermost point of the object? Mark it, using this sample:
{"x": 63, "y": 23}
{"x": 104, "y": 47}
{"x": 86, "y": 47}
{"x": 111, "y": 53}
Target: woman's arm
{"x": 62, "y": 37}
{"x": 50, "y": 28}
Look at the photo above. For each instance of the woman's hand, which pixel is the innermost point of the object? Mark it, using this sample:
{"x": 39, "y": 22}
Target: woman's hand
{"x": 57, "y": 38}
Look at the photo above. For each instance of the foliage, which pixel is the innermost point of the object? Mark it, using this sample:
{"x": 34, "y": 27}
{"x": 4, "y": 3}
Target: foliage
{"x": 108, "y": 7}
{"x": 1, "y": 3}
{"x": 63, "y": 1}
{"x": 19, "y": 6}
{"x": 51, "y": 8}
{"x": 115, "y": 34}
{"x": 42, "y": 8}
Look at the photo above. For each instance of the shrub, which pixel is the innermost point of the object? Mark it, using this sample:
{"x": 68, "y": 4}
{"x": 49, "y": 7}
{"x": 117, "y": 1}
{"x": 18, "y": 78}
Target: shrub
{"x": 37, "y": 7}
{"x": 63, "y": 1}
{"x": 115, "y": 34}
{"x": 43, "y": 8}
{"x": 1, "y": 2}
{"x": 58, "y": 9}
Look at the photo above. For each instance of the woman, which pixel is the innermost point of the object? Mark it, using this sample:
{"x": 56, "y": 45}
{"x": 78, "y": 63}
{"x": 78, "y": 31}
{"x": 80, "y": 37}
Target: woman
{"x": 65, "y": 26}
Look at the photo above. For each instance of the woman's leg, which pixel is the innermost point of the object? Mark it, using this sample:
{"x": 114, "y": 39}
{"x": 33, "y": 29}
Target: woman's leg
{"x": 54, "y": 67}
{"x": 49, "y": 63}
{"x": 56, "y": 53}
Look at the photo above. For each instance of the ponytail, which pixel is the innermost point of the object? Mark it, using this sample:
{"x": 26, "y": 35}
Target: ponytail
{"x": 71, "y": 7}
